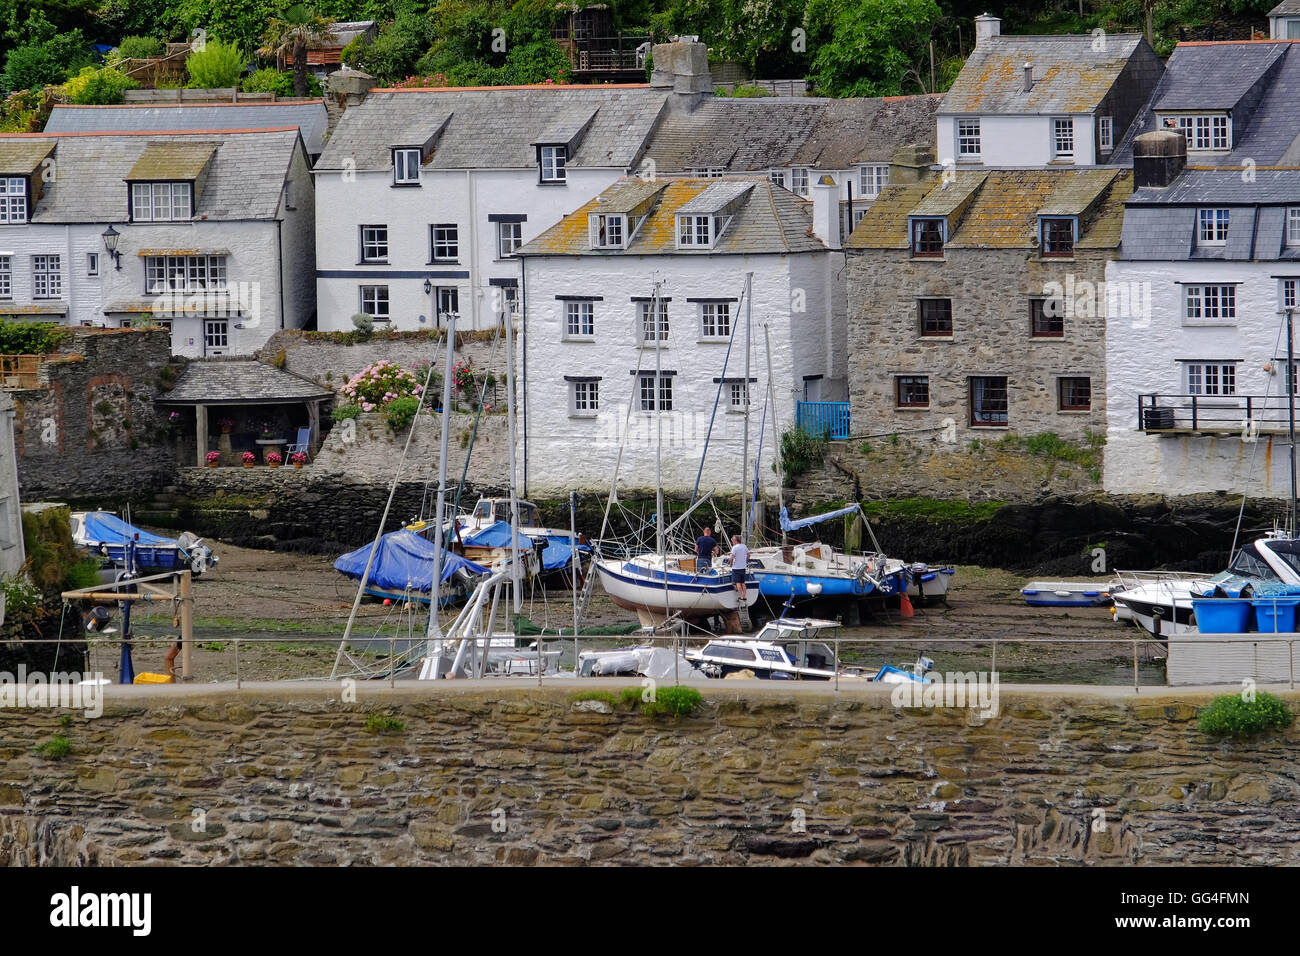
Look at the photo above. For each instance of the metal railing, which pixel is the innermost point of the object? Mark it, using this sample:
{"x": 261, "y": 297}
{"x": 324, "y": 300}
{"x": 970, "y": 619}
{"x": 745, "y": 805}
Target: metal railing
{"x": 1213, "y": 413}
{"x": 20, "y": 371}
{"x": 831, "y": 419}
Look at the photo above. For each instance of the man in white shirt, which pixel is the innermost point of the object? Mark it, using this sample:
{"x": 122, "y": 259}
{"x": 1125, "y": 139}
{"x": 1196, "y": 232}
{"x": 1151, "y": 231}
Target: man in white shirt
{"x": 739, "y": 566}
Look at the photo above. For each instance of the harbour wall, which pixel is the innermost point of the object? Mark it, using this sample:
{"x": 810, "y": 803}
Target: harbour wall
{"x": 468, "y": 773}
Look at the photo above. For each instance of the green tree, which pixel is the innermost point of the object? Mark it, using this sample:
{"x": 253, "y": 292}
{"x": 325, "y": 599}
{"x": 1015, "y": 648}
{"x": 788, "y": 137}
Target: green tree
{"x": 216, "y": 66}
{"x": 866, "y": 47}
{"x": 238, "y": 22}
{"x": 393, "y": 55}
{"x": 138, "y": 48}
{"x": 98, "y": 87}
{"x": 292, "y": 34}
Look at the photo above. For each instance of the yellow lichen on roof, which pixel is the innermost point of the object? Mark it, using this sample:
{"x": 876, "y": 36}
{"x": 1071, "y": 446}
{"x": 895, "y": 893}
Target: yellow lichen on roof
{"x": 20, "y": 157}
{"x": 175, "y": 161}
{"x": 1104, "y": 230}
{"x": 884, "y": 224}
{"x": 570, "y": 236}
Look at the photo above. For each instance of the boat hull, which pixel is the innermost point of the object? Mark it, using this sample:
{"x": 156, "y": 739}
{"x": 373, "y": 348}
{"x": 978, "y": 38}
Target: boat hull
{"x": 640, "y": 588}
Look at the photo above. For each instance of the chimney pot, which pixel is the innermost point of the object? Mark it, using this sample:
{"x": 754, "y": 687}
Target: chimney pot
{"x": 1158, "y": 157}
{"x": 1029, "y": 77}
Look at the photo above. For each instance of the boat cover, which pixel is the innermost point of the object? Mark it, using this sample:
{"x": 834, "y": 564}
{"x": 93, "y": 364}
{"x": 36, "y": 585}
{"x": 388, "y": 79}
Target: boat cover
{"x": 497, "y": 535}
{"x": 559, "y": 553}
{"x": 102, "y": 527}
{"x": 404, "y": 559}
{"x": 788, "y": 525}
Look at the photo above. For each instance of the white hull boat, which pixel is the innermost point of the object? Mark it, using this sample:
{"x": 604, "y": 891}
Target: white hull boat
{"x": 638, "y": 584}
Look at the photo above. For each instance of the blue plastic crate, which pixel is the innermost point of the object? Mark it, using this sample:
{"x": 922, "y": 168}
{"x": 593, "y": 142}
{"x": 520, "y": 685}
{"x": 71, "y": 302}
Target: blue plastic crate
{"x": 1276, "y": 615}
{"x": 1222, "y": 615}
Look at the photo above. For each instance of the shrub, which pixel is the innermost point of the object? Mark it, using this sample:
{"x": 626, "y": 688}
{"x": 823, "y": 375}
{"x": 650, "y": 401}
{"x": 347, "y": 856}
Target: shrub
{"x": 21, "y": 597}
{"x": 631, "y": 695}
{"x": 363, "y": 322}
{"x": 400, "y": 412}
{"x": 673, "y": 702}
{"x": 383, "y": 724}
{"x": 56, "y": 748}
{"x": 746, "y": 91}
{"x": 139, "y": 48}
{"x": 32, "y": 338}
{"x": 1232, "y": 716}
{"x": 217, "y": 65}
{"x": 268, "y": 80}
{"x": 94, "y": 87}
{"x": 801, "y": 451}
{"x": 602, "y": 695}
{"x": 342, "y": 413}
{"x": 380, "y": 383}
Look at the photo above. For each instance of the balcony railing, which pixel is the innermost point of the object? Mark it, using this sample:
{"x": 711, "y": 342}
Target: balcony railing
{"x": 1218, "y": 414}
{"x": 829, "y": 419}
{"x": 19, "y": 371}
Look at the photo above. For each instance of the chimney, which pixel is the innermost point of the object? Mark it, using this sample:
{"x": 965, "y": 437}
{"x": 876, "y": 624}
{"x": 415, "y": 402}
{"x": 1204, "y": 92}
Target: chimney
{"x": 1029, "y": 76}
{"x": 349, "y": 84}
{"x": 1158, "y": 158}
{"x": 682, "y": 67}
{"x": 826, "y": 212}
{"x": 986, "y": 26}
{"x": 910, "y": 164}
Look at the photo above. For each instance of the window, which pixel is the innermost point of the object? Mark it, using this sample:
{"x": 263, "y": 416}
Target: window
{"x": 374, "y": 302}
{"x": 799, "y": 180}
{"x": 161, "y": 202}
{"x": 1058, "y": 237}
{"x": 47, "y": 277}
{"x": 715, "y": 320}
{"x": 406, "y": 166}
{"x": 935, "y": 315}
{"x": 444, "y": 240}
{"x": 6, "y": 524}
{"x": 510, "y": 236}
{"x": 694, "y": 230}
{"x": 1063, "y": 138}
{"x": 648, "y": 393}
{"x": 1105, "y": 133}
{"x": 92, "y": 263}
{"x": 448, "y": 299}
{"x": 607, "y": 231}
{"x": 737, "y": 395}
{"x": 184, "y": 274}
{"x": 1211, "y": 378}
{"x": 777, "y": 176}
{"x": 374, "y": 243}
{"x": 1287, "y": 296}
{"x": 585, "y": 398}
{"x": 1293, "y": 226}
{"x": 1212, "y": 227}
{"x": 1046, "y": 318}
{"x": 912, "y": 391}
{"x": 988, "y": 401}
{"x": 510, "y": 296}
{"x": 13, "y": 200}
{"x": 968, "y": 137}
{"x": 6, "y": 277}
{"x": 553, "y": 159}
{"x": 646, "y": 323}
{"x": 216, "y": 334}
{"x": 1211, "y": 304}
{"x": 1203, "y": 132}
{"x": 927, "y": 237}
{"x": 579, "y": 320}
{"x": 872, "y": 179}
{"x": 1074, "y": 394}
{"x": 707, "y": 172}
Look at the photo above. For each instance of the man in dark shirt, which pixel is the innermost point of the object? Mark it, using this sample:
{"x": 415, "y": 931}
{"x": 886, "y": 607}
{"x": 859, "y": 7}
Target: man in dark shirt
{"x": 705, "y": 548}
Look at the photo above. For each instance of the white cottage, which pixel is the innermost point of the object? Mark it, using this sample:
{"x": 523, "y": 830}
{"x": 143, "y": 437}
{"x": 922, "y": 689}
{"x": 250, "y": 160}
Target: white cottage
{"x": 208, "y": 232}
{"x": 11, "y": 526}
{"x": 599, "y": 364}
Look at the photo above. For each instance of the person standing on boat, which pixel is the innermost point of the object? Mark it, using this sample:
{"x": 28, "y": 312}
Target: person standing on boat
{"x": 739, "y": 565}
{"x": 706, "y": 546}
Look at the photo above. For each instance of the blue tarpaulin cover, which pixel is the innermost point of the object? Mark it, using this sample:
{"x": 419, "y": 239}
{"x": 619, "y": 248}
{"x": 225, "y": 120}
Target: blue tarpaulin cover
{"x": 559, "y": 553}
{"x": 105, "y": 528}
{"x": 788, "y": 525}
{"x": 497, "y": 535}
{"x": 404, "y": 559}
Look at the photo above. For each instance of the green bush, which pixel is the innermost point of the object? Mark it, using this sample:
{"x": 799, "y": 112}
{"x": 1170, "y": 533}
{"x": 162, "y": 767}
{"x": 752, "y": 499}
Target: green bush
{"x": 603, "y": 695}
{"x": 342, "y": 413}
{"x": 1233, "y": 716}
{"x": 631, "y": 695}
{"x": 383, "y": 724}
{"x": 672, "y": 702}
{"x": 801, "y": 451}
{"x": 32, "y": 338}
{"x": 400, "y": 412}
{"x": 139, "y": 48}
{"x": 745, "y": 91}
{"x": 268, "y": 80}
{"x": 55, "y": 748}
{"x": 216, "y": 66}
{"x": 54, "y": 562}
{"x": 21, "y": 597}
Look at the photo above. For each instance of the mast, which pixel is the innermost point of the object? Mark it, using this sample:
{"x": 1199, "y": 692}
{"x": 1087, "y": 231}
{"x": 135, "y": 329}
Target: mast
{"x": 776, "y": 438}
{"x": 659, "y": 428}
{"x": 744, "y": 391}
{"x": 516, "y": 572}
{"x": 434, "y": 631}
{"x": 1290, "y": 389}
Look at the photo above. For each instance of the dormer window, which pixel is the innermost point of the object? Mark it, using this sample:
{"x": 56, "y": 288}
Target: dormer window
{"x": 1057, "y": 236}
{"x": 13, "y": 200}
{"x": 608, "y": 231}
{"x": 1207, "y": 132}
{"x": 552, "y": 161}
{"x": 406, "y": 167}
{"x": 928, "y": 237}
{"x": 695, "y": 231}
{"x": 1212, "y": 226}
{"x": 162, "y": 202}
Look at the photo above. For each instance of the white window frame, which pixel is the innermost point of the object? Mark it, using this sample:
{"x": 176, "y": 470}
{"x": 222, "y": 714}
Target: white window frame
{"x": 92, "y": 263}
{"x": 184, "y": 274}
{"x": 1210, "y": 304}
{"x": 1293, "y": 225}
{"x": 967, "y": 137}
{"x": 6, "y": 277}
{"x": 737, "y": 396}
{"x": 1205, "y": 132}
{"x": 47, "y": 276}
{"x": 707, "y": 172}
{"x": 584, "y": 399}
{"x": 614, "y": 226}
{"x": 1212, "y": 224}
{"x": 799, "y": 176}
{"x": 444, "y": 242}
{"x": 1288, "y": 294}
{"x": 553, "y": 162}
{"x": 510, "y": 298}
{"x": 1062, "y": 137}
{"x": 406, "y": 166}
{"x": 162, "y": 201}
{"x": 695, "y": 232}
{"x": 713, "y": 317}
{"x": 647, "y": 393}
{"x": 872, "y": 179}
{"x": 1105, "y": 133}
{"x": 216, "y": 334}
{"x": 777, "y": 177}
{"x": 645, "y": 334}
{"x": 374, "y": 243}
{"x": 579, "y": 319}
{"x": 510, "y": 236}
{"x": 1216, "y": 379}
{"x": 375, "y": 302}
{"x": 447, "y": 300}
{"x": 13, "y": 200}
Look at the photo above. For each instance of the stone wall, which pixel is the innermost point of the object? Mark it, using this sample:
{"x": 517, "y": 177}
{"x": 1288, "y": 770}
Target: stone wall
{"x": 489, "y": 774}
{"x": 91, "y": 428}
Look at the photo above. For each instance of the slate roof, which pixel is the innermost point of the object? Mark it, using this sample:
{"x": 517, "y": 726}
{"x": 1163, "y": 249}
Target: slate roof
{"x": 867, "y": 130}
{"x": 245, "y": 177}
{"x": 182, "y": 160}
{"x": 1209, "y": 75}
{"x": 496, "y": 127}
{"x": 239, "y": 381}
{"x": 20, "y": 157}
{"x": 1286, "y": 8}
{"x": 308, "y": 115}
{"x": 1200, "y": 186}
{"x": 772, "y": 220}
{"x": 1001, "y": 208}
{"x": 1070, "y": 76}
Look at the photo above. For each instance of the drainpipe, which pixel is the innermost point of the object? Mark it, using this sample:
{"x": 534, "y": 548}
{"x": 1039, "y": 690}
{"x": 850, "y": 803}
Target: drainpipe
{"x": 279, "y": 262}
{"x": 523, "y": 345}
{"x": 471, "y": 187}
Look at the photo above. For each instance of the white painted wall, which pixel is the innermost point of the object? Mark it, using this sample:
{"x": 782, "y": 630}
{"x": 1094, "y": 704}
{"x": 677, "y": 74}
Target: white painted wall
{"x": 11, "y": 528}
{"x": 1016, "y": 141}
{"x": 464, "y": 197}
{"x": 567, "y": 452}
{"x": 1143, "y": 358}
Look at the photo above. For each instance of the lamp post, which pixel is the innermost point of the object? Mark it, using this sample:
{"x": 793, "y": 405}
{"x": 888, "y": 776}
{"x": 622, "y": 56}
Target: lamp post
{"x": 111, "y": 237}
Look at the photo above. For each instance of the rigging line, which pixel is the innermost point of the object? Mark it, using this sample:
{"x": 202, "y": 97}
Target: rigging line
{"x": 717, "y": 398}
{"x": 1250, "y": 470}
{"x": 455, "y": 504}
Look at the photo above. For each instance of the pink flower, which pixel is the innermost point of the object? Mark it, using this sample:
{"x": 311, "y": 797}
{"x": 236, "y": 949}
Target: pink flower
{"x": 367, "y": 407}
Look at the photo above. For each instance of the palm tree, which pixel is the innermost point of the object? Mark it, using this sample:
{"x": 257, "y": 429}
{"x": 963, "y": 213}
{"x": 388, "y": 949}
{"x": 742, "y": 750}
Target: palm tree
{"x": 292, "y": 34}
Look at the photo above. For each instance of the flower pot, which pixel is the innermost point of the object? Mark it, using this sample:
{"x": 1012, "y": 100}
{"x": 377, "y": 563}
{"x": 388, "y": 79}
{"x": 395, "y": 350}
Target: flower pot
{"x": 212, "y": 464}
{"x": 297, "y": 464}
{"x": 272, "y": 465}
{"x": 248, "y": 464}
{"x": 225, "y": 431}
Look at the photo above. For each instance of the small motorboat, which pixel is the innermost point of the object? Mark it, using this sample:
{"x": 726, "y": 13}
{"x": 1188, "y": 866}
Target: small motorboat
{"x": 1065, "y": 594}
{"x": 926, "y": 583}
{"x": 105, "y": 535}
